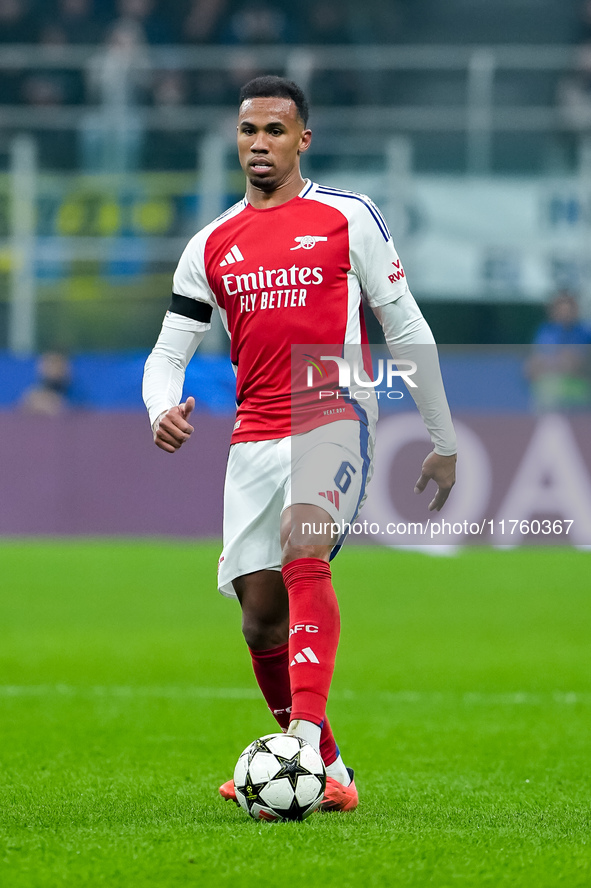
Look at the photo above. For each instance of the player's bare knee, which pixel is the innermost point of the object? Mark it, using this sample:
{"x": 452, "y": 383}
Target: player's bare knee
{"x": 293, "y": 551}
{"x": 261, "y": 634}
{"x": 302, "y": 542}
{"x": 307, "y": 531}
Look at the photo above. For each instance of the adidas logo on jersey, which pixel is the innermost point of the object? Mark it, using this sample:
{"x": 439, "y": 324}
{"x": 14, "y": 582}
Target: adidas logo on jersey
{"x": 305, "y": 656}
{"x": 233, "y": 256}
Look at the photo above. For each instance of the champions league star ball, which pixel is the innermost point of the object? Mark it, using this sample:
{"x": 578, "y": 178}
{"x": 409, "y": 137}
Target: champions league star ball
{"x": 279, "y": 777}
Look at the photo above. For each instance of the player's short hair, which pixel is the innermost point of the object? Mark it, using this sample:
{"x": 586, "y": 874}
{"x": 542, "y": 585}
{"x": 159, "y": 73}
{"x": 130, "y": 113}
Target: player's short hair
{"x": 271, "y": 86}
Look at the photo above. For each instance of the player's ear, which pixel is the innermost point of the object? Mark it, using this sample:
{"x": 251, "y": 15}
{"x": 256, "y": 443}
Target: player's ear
{"x": 305, "y": 140}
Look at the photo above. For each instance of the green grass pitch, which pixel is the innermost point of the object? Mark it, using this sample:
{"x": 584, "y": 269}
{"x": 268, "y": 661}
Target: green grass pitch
{"x": 462, "y": 697}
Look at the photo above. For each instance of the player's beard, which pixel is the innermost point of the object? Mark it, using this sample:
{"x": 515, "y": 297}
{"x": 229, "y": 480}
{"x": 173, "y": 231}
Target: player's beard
{"x": 263, "y": 183}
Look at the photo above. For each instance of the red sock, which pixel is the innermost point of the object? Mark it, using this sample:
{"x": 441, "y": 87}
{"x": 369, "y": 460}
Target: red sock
{"x": 329, "y": 750}
{"x": 271, "y": 669}
{"x": 314, "y": 626}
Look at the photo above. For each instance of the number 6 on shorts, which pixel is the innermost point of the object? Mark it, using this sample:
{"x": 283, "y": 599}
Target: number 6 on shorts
{"x": 342, "y": 479}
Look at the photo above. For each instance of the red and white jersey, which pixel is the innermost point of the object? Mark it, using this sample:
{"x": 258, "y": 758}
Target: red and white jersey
{"x": 289, "y": 275}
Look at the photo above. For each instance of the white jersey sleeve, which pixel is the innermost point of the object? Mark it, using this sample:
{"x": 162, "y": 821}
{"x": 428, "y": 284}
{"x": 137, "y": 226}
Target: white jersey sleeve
{"x": 189, "y": 278}
{"x": 374, "y": 257}
{"x": 409, "y": 338}
{"x": 374, "y": 260}
{"x": 164, "y": 371}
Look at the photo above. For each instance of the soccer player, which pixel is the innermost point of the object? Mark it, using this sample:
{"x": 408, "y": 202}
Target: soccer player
{"x": 290, "y": 265}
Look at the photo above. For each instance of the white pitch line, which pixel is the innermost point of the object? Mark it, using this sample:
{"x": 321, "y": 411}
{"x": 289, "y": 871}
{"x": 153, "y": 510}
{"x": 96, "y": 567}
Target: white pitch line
{"x": 167, "y": 691}
{"x": 188, "y": 692}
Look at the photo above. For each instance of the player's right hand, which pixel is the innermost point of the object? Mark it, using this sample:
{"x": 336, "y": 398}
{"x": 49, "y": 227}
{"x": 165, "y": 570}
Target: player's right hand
{"x": 171, "y": 429}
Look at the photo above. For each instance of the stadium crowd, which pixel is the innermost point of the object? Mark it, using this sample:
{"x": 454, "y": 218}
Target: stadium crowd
{"x": 134, "y": 27}
{"x": 143, "y": 23}
{"x": 200, "y": 21}
{"x": 255, "y": 23}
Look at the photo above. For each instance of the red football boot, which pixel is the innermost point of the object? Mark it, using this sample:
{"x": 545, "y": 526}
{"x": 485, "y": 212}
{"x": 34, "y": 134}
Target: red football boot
{"x": 228, "y": 792}
{"x": 338, "y": 797}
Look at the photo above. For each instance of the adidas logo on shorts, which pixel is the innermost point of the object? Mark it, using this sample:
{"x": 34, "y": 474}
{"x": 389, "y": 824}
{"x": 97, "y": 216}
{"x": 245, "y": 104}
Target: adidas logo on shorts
{"x": 331, "y": 495}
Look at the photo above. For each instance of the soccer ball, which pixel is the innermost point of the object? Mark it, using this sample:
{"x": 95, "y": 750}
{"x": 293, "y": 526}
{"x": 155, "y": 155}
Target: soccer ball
{"x": 279, "y": 777}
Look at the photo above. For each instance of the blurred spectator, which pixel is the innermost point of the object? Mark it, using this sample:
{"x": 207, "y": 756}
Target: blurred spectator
{"x": 70, "y": 81}
{"x": 244, "y": 66}
{"x": 79, "y": 21}
{"x": 52, "y": 34}
{"x": 42, "y": 90}
{"x": 223, "y": 87}
{"x": 327, "y": 22}
{"x": 17, "y": 23}
{"x": 111, "y": 137}
{"x": 46, "y": 90}
{"x": 50, "y": 394}
{"x": 585, "y": 22}
{"x": 574, "y": 92}
{"x": 155, "y": 27}
{"x": 257, "y": 22}
{"x": 172, "y": 147}
{"x": 559, "y": 367}
{"x": 170, "y": 89}
{"x": 202, "y": 22}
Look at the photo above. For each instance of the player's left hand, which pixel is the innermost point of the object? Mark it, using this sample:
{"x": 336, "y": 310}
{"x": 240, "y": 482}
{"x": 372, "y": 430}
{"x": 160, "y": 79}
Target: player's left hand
{"x": 442, "y": 469}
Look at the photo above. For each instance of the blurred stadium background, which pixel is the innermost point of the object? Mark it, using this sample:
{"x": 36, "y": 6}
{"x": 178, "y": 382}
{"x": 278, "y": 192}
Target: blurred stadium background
{"x": 469, "y": 123}
{"x": 125, "y": 689}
